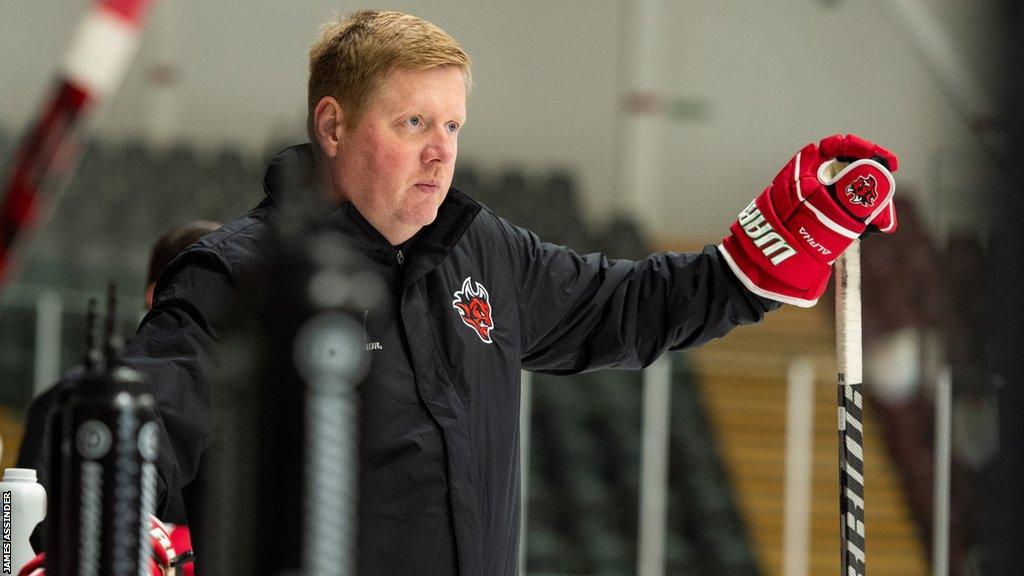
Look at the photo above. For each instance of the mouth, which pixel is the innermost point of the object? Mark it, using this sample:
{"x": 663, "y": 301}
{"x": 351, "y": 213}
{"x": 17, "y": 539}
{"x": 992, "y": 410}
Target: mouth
{"x": 429, "y": 187}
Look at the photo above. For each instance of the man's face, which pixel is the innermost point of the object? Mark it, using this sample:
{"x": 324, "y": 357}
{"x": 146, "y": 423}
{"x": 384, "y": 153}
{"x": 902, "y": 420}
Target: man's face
{"x": 396, "y": 165}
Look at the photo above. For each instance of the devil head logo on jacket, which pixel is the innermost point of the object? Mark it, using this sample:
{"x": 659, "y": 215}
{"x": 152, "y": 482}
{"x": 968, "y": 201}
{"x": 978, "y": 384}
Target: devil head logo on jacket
{"x": 474, "y": 306}
{"x": 863, "y": 191}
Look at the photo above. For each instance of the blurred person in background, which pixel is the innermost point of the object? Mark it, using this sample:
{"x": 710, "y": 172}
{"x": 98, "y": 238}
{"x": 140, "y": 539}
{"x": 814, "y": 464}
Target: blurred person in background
{"x": 33, "y": 452}
{"x": 472, "y": 299}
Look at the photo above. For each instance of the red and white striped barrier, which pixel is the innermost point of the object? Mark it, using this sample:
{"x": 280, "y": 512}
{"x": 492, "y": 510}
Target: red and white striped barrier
{"x": 100, "y": 53}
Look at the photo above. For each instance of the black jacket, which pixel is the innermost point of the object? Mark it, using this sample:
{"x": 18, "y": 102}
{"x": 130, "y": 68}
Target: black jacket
{"x": 477, "y": 300}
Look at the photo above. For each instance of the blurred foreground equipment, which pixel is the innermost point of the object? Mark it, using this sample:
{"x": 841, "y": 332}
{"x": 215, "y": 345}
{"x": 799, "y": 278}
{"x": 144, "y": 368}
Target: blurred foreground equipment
{"x": 103, "y": 476}
{"x": 278, "y": 485}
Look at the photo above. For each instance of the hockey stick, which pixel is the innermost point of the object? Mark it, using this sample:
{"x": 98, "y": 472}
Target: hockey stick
{"x": 93, "y": 69}
{"x": 851, "y": 427}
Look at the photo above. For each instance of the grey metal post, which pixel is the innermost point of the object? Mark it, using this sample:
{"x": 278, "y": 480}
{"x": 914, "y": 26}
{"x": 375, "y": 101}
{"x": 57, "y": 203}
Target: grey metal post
{"x": 525, "y": 412}
{"x": 49, "y": 310}
{"x": 943, "y": 453}
{"x": 799, "y": 456}
{"x": 657, "y": 380}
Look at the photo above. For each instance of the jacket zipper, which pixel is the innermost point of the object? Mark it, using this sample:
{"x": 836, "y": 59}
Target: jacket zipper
{"x": 400, "y": 257}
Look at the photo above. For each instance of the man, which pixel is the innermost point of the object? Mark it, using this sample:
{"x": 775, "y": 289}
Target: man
{"x": 167, "y": 247}
{"x": 474, "y": 298}
{"x": 32, "y": 453}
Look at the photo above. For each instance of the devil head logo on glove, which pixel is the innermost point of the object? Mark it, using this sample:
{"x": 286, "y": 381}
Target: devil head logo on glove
{"x": 863, "y": 191}
{"x": 474, "y": 306}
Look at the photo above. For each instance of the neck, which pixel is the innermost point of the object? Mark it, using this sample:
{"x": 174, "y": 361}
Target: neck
{"x": 395, "y": 233}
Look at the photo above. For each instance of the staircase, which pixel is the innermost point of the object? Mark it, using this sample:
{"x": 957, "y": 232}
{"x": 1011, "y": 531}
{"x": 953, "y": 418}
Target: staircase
{"x": 743, "y": 383}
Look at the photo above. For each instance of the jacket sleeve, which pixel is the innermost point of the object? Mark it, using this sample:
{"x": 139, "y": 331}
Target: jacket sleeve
{"x": 36, "y": 439}
{"x": 587, "y": 312}
{"x": 173, "y": 348}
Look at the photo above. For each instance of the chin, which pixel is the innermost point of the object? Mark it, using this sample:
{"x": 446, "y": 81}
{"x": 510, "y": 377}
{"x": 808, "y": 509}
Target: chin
{"x": 425, "y": 219}
{"x": 424, "y": 215}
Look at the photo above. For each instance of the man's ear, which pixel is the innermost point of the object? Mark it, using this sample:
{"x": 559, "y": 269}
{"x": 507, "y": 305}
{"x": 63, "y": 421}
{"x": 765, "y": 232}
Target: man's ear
{"x": 328, "y": 124}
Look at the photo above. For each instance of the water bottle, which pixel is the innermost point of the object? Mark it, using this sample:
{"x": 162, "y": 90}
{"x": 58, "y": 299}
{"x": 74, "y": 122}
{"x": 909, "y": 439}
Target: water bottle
{"x": 24, "y": 505}
{"x": 107, "y": 486}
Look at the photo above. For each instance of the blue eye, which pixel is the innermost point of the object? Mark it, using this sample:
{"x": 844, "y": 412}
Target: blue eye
{"x": 414, "y": 121}
{"x": 452, "y": 127}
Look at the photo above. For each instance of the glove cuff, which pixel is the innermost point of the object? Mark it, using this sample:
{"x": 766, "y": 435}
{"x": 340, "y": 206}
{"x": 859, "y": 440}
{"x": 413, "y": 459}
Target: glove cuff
{"x": 764, "y": 285}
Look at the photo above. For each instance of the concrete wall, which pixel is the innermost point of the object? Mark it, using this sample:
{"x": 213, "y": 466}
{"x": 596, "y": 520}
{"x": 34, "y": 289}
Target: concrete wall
{"x": 763, "y": 77}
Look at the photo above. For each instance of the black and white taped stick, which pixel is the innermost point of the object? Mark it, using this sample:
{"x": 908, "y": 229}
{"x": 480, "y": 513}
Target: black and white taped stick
{"x": 851, "y": 404}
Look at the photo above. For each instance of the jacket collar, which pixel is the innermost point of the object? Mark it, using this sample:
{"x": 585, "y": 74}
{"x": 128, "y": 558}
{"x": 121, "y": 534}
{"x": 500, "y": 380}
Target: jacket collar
{"x": 291, "y": 170}
{"x": 433, "y": 243}
{"x": 294, "y": 169}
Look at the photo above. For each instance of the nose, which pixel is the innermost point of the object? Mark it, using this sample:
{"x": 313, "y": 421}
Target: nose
{"x": 440, "y": 147}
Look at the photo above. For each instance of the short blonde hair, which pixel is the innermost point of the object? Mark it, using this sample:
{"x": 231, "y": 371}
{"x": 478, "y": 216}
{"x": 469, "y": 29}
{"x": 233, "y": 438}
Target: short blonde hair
{"x": 354, "y": 54}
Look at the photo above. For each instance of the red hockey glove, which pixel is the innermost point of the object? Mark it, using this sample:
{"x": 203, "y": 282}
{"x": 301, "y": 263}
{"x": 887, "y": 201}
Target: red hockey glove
{"x": 160, "y": 561}
{"x": 162, "y": 549}
{"x": 181, "y": 539}
{"x": 34, "y": 567}
{"x": 784, "y": 242}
